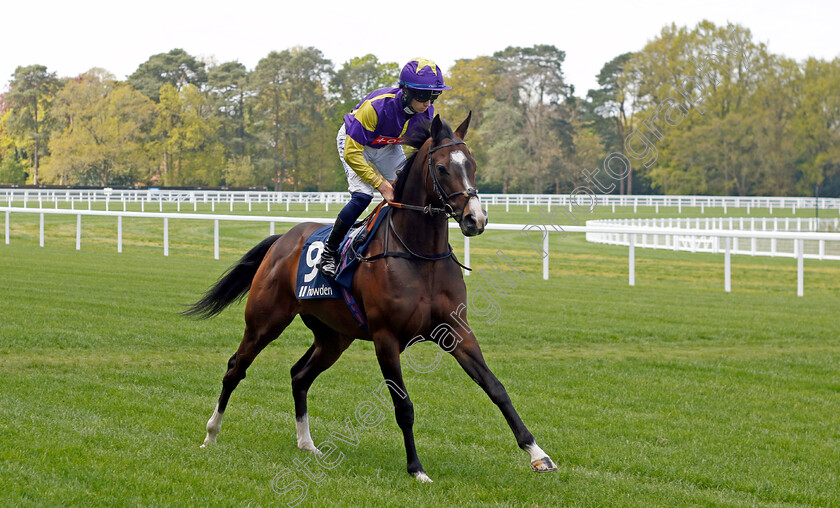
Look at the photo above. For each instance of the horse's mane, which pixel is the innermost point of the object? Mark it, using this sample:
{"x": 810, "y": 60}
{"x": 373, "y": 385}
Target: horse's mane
{"x": 415, "y": 139}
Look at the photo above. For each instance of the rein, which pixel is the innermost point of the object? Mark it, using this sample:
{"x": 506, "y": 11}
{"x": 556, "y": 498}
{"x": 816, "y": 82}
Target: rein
{"x": 389, "y": 227}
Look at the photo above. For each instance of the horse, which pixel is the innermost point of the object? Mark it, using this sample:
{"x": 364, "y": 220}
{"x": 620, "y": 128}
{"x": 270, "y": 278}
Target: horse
{"x": 408, "y": 291}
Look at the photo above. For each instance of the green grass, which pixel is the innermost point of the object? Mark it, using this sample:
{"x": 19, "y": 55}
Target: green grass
{"x": 671, "y": 392}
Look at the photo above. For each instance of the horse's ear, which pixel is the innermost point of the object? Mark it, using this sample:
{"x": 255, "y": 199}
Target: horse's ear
{"x": 461, "y": 131}
{"x": 437, "y": 126}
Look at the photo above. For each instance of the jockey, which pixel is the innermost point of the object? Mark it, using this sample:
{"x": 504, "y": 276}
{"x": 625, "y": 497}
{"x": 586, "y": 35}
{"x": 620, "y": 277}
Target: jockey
{"x": 368, "y": 144}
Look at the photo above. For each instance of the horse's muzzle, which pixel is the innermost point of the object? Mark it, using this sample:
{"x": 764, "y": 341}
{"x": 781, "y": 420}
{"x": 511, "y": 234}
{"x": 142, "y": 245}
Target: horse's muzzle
{"x": 473, "y": 224}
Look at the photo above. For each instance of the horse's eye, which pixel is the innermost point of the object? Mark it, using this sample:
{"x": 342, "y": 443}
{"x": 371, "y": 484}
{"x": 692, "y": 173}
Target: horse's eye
{"x": 442, "y": 169}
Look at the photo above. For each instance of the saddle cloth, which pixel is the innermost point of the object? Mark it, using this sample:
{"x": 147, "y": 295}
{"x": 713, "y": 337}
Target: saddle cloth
{"x": 311, "y": 283}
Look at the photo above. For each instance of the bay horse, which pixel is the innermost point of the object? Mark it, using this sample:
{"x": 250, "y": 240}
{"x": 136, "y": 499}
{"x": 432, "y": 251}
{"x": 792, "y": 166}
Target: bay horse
{"x": 408, "y": 292}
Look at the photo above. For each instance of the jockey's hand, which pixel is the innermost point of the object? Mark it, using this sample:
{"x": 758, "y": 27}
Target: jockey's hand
{"x": 387, "y": 190}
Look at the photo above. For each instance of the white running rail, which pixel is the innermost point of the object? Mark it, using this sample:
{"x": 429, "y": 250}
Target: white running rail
{"x": 80, "y": 198}
{"x": 541, "y": 245}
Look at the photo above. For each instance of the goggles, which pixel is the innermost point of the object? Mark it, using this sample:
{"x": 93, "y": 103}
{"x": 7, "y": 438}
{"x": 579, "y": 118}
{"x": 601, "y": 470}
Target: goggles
{"x": 424, "y": 95}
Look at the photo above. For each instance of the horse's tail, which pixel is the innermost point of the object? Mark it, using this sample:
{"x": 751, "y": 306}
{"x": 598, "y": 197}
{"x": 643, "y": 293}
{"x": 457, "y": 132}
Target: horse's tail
{"x": 233, "y": 284}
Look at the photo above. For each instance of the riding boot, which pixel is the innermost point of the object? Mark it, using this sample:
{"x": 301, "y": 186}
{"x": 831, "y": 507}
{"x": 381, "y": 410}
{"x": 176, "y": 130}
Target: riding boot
{"x": 329, "y": 258}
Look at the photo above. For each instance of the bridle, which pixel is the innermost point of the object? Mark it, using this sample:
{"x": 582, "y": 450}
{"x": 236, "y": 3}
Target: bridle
{"x": 428, "y": 209}
{"x": 439, "y": 190}
{"x": 441, "y": 193}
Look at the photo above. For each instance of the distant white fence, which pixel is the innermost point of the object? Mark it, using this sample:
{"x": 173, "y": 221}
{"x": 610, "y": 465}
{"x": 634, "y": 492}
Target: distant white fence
{"x": 631, "y": 231}
{"x": 120, "y": 197}
{"x": 773, "y": 246}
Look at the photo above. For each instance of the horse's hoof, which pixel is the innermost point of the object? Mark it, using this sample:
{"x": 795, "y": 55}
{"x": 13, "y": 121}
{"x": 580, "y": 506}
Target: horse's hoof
{"x": 543, "y": 465}
{"x": 207, "y": 442}
{"x": 422, "y": 477}
{"x": 309, "y": 447}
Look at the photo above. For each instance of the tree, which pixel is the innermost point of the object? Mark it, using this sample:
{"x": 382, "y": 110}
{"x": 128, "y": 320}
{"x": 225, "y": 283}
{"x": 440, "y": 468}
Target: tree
{"x": 816, "y": 125}
{"x": 534, "y": 81}
{"x": 186, "y": 137}
{"x": 177, "y": 68}
{"x": 473, "y": 81}
{"x": 228, "y": 89}
{"x": 698, "y": 125}
{"x": 102, "y": 127}
{"x": 29, "y": 97}
{"x": 12, "y": 168}
{"x": 12, "y": 171}
{"x": 360, "y": 76}
{"x": 611, "y": 110}
{"x": 239, "y": 172}
{"x": 505, "y": 145}
{"x": 291, "y": 107}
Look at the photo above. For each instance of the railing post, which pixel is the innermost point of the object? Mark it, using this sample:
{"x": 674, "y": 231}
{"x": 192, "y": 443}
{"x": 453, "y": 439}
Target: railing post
{"x": 727, "y": 266}
{"x": 216, "y": 239}
{"x": 632, "y": 259}
{"x": 545, "y": 254}
{"x": 165, "y": 236}
{"x": 41, "y": 230}
{"x": 119, "y": 233}
{"x": 466, "y": 254}
{"x": 79, "y": 232}
{"x": 7, "y": 227}
{"x": 800, "y": 275}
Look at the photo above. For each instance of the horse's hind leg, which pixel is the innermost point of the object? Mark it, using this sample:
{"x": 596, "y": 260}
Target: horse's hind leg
{"x": 324, "y": 352}
{"x": 256, "y": 338}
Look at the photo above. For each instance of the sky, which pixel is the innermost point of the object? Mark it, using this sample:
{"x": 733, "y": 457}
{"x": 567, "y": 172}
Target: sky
{"x": 70, "y": 37}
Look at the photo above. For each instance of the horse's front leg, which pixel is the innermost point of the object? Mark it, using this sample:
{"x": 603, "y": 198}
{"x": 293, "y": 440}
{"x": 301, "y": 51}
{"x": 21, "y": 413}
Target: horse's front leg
{"x": 469, "y": 356}
{"x": 388, "y": 354}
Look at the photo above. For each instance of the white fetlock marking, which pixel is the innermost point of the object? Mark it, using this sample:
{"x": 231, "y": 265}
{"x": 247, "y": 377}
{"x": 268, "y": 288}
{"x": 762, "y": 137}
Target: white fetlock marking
{"x": 540, "y": 461}
{"x": 304, "y": 440}
{"x": 214, "y": 425}
{"x": 422, "y": 477}
{"x": 535, "y": 452}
